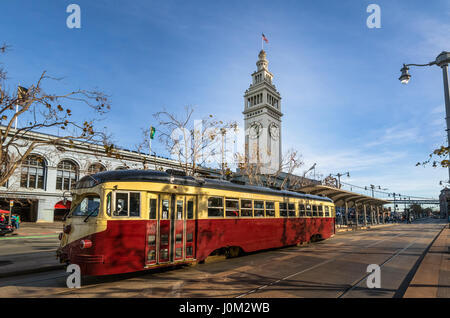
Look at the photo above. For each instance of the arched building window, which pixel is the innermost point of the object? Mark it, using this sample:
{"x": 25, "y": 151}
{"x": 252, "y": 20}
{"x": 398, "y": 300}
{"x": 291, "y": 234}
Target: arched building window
{"x": 66, "y": 175}
{"x": 96, "y": 168}
{"x": 33, "y": 172}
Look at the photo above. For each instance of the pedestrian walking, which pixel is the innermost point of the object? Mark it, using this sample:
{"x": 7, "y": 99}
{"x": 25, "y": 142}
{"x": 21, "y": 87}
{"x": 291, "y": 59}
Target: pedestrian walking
{"x": 17, "y": 221}
{"x": 13, "y": 220}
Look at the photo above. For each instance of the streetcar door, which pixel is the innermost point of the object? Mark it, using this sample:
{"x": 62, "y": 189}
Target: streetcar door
{"x": 165, "y": 216}
{"x": 179, "y": 222}
{"x": 191, "y": 216}
{"x": 184, "y": 228}
{"x": 151, "y": 249}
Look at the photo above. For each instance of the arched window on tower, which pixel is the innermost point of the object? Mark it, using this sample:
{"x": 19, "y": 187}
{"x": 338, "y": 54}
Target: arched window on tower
{"x": 96, "y": 168}
{"x": 33, "y": 172}
{"x": 66, "y": 175}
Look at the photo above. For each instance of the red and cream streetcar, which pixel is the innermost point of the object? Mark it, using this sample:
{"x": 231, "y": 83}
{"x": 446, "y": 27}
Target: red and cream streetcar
{"x": 133, "y": 220}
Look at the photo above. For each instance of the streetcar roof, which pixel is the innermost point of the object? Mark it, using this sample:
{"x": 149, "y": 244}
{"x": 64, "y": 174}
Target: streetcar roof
{"x": 164, "y": 177}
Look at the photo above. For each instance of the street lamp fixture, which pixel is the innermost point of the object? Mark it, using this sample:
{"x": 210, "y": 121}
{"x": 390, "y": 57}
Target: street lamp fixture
{"x": 339, "y": 175}
{"x": 442, "y": 60}
{"x": 404, "y": 78}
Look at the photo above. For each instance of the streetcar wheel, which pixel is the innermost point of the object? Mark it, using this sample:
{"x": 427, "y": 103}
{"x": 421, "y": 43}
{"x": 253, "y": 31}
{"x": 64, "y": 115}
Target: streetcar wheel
{"x": 232, "y": 252}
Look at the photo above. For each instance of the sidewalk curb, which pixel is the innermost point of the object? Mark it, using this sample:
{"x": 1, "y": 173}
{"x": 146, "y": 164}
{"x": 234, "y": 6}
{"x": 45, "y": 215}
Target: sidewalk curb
{"x": 32, "y": 271}
{"x": 18, "y": 237}
{"x": 401, "y": 291}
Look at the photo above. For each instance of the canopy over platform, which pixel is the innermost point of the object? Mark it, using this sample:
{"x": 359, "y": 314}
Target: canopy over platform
{"x": 341, "y": 197}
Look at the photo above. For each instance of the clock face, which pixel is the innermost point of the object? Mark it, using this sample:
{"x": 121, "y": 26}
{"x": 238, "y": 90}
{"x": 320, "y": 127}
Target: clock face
{"x": 274, "y": 131}
{"x": 255, "y": 130}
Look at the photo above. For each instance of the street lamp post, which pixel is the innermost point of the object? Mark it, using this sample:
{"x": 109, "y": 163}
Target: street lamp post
{"x": 339, "y": 175}
{"x": 442, "y": 61}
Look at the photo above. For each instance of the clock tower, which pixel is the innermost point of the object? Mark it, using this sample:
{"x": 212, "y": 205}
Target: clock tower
{"x": 262, "y": 117}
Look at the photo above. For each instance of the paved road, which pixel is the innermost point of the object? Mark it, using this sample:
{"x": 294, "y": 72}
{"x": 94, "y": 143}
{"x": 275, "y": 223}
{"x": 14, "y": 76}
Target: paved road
{"x": 332, "y": 268}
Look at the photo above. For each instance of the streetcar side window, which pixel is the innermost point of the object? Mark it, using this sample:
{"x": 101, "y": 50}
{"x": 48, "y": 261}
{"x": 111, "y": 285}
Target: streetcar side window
{"x": 128, "y": 204}
{"x": 179, "y": 214}
{"x": 320, "y": 209}
{"x": 232, "y": 208}
{"x": 246, "y": 208}
{"x": 164, "y": 209}
{"x": 308, "y": 210}
{"x": 215, "y": 207}
{"x": 314, "y": 210}
{"x": 291, "y": 207}
{"x": 108, "y": 203}
{"x": 302, "y": 210}
{"x": 283, "y": 210}
{"x": 270, "y": 209}
{"x": 153, "y": 208}
{"x": 190, "y": 209}
{"x": 259, "y": 208}
{"x": 327, "y": 210}
{"x": 135, "y": 204}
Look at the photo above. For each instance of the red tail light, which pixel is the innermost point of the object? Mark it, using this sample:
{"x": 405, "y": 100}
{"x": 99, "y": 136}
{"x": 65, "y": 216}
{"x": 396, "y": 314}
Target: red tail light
{"x": 85, "y": 244}
{"x": 67, "y": 229}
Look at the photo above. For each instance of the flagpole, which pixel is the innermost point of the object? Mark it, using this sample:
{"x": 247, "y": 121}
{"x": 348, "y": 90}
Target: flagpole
{"x": 151, "y": 135}
{"x": 17, "y": 107}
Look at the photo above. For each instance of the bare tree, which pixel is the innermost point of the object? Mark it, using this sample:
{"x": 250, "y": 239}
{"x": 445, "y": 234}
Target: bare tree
{"x": 283, "y": 178}
{"x": 193, "y": 142}
{"x": 40, "y": 111}
{"x": 330, "y": 181}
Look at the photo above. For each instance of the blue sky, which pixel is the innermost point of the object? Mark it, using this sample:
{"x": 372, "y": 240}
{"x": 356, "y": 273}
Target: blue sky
{"x": 343, "y": 105}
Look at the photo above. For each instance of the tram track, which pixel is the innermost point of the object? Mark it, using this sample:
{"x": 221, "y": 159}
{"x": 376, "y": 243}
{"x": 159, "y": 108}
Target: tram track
{"x": 355, "y": 283}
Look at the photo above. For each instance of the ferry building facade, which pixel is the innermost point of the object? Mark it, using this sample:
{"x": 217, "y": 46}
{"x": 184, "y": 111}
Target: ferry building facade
{"x": 41, "y": 187}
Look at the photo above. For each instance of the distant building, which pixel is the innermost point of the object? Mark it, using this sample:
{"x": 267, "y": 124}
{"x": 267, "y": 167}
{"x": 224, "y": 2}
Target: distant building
{"x": 444, "y": 200}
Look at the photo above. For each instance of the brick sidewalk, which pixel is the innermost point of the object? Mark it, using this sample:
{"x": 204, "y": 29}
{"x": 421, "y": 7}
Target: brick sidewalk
{"x": 432, "y": 279}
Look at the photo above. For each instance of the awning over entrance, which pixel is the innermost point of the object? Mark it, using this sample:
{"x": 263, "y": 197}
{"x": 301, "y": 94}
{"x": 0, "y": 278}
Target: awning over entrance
{"x": 61, "y": 205}
{"x": 340, "y": 197}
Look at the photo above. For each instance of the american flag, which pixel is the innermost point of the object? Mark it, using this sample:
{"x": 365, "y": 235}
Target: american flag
{"x": 264, "y": 38}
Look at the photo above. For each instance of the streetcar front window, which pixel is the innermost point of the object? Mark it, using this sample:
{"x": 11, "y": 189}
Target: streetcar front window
{"x": 90, "y": 205}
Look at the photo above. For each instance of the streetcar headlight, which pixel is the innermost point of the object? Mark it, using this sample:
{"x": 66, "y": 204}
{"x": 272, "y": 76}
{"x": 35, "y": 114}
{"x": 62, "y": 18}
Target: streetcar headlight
{"x": 85, "y": 244}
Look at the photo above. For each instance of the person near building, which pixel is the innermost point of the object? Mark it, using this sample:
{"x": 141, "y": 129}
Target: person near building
{"x": 15, "y": 220}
